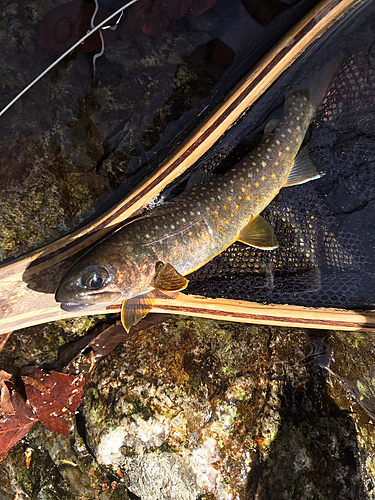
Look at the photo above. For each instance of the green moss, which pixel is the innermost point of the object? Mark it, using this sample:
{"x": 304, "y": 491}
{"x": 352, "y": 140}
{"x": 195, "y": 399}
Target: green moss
{"x": 353, "y": 339}
{"x": 16, "y": 455}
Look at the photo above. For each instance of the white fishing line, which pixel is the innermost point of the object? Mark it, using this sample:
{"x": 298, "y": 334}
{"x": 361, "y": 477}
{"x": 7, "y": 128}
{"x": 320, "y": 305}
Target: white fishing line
{"x": 39, "y": 77}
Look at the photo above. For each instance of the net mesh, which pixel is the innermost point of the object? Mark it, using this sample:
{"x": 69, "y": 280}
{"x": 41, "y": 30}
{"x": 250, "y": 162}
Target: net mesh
{"x": 325, "y": 228}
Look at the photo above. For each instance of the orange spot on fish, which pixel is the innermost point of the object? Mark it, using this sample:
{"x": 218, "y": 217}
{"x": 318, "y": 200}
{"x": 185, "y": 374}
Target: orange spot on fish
{"x": 243, "y": 190}
{"x": 226, "y": 222}
{"x": 236, "y": 206}
{"x": 239, "y": 198}
{"x": 216, "y": 213}
{"x": 206, "y": 238}
{"x": 248, "y": 197}
{"x": 263, "y": 178}
{"x": 219, "y": 228}
{"x": 198, "y": 224}
{"x": 256, "y": 184}
{"x": 273, "y": 176}
{"x": 225, "y": 207}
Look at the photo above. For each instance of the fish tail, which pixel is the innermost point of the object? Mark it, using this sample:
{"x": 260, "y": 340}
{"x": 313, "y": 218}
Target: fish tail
{"x": 317, "y": 86}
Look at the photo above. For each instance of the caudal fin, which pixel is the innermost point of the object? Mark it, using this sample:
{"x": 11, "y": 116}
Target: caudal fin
{"x": 319, "y": 82}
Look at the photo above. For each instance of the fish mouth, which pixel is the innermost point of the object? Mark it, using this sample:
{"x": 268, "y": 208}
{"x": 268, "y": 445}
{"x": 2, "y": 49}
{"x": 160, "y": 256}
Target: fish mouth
{"x": 89, "y": 302}
{"x": 74, "y": 306}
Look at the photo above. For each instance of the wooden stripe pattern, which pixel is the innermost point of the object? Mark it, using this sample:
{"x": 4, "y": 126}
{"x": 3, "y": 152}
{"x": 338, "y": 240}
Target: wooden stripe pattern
{"x": 226, "y": 310}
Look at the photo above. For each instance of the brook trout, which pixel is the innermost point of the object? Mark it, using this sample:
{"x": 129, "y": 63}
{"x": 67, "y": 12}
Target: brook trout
{"x": 157, "y": 250}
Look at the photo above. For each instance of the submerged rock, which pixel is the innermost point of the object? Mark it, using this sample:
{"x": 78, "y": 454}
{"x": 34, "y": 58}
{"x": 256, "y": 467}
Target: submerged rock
{"x": 198, "y": 409}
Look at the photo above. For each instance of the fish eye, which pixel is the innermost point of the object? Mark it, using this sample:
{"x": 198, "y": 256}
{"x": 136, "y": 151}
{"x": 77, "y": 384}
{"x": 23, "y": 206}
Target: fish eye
{"x": 95, "y": 277}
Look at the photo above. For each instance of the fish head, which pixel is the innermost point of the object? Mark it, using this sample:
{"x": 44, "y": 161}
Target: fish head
{"x": 105, "y": 275}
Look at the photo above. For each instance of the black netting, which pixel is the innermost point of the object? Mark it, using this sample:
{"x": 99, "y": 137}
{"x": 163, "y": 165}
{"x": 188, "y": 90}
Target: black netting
{"x": 326, "y": 228}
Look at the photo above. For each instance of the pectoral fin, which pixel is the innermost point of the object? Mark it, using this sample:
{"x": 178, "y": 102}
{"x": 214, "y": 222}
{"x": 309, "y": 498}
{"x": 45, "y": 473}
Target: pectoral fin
{"x": 258, "y": 233}
{"x": 133, "y": 310}
{"x": 167, "y": 279}
{"x": 303, "y": 169}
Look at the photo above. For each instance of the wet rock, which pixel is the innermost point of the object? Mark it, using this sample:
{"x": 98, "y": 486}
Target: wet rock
{"x": 61, "y": 468}
{"x": 222, "y": 409}
{"x": 75, "y": 149}
{"x": 193, "y": 408}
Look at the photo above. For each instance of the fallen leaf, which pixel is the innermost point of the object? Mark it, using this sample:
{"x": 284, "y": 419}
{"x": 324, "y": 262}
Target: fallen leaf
{"x": 64, "y": 25}
{"x": 52, "y": 396}
{"x": 15, "y": 427}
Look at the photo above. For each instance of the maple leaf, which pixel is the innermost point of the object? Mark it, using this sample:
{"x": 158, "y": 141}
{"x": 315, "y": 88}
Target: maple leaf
{"x": 14, "y": 427}
{"x": 52, "y": 396}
